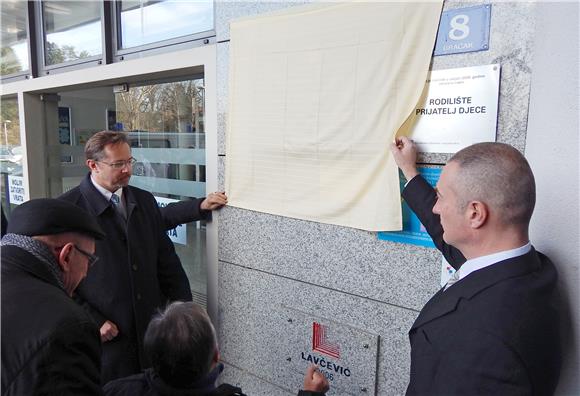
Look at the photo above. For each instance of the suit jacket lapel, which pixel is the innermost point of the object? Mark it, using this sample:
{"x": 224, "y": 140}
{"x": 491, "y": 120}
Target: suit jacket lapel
{"x": 130, "y": 201}
{"x": 99, "y": 204}
{"x": 444, "y": 302}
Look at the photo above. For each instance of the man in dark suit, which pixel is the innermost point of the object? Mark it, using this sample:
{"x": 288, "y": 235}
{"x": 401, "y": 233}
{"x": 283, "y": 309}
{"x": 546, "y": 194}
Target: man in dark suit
{"x": 493, "y": 330}
{"x": 139, "y": 270}
{"x": 50, "y": 346}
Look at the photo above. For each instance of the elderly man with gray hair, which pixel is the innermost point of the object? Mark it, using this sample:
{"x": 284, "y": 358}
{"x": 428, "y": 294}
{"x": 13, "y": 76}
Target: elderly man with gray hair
{"x": 182, "y": 345}
{"x": 50, "y": 346}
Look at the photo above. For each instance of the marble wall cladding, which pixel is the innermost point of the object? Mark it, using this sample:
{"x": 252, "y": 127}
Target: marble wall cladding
{"x": 252, "y": 325}
{"x": 221, "y": 172}
{"x": 222, "y": 76}
{"x": 339, "y": 258}
{"x": 250, "y": 384}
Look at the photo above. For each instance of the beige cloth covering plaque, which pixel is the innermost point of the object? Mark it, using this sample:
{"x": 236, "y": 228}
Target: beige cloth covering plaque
{"x": 316, "y": 96}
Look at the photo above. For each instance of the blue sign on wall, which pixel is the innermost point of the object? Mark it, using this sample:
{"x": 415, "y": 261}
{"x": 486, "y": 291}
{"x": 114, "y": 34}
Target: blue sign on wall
{"x": 464, "y": 30}
{"x": 413, "y": 231}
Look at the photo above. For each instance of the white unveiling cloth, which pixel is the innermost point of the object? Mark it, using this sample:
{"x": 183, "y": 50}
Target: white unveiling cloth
{"x": 316, "y": 96}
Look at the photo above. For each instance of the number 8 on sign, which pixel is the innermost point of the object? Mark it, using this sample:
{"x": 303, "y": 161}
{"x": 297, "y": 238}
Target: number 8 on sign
{"x": 459, "y": 28}
{"x": 464, "y": 30}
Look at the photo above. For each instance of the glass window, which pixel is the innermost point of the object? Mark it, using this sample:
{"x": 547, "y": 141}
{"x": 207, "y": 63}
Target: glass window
{"x": 72, "y": 30}
{"x": 164, "y": 124}
{"x": 145, "y": 22}
{"x": 14, "y": 55}
{"x": 10, "y": 154}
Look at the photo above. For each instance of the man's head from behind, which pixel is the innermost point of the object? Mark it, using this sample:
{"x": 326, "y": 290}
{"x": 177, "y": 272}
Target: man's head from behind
{"x": 108, "y": 156}
{"x": 182, "y": 344}
{"x": 486, "y": 183}
{"x": 67, "y": 230}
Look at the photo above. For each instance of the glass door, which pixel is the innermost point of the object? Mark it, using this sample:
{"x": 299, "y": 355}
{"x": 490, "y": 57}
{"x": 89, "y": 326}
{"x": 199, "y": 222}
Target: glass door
{"x": 165, "y": 125}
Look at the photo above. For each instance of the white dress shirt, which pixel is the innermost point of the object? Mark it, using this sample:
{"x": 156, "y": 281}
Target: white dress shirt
{"x": 485, "y": 261}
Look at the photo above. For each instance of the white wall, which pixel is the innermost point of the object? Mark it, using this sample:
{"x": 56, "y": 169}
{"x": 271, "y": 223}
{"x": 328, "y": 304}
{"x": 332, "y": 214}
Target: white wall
{"x": 552, "y": 149}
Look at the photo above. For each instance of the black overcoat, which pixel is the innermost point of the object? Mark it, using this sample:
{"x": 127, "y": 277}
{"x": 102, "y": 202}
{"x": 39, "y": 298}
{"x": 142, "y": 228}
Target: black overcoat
{"x": 50, "y": 346}
{"x": 137, "y": 273}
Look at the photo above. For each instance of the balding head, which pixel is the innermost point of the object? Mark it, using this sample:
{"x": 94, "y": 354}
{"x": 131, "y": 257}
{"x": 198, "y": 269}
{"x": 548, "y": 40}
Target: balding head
{"x": 181, "y": 343}
{"x": 499, "y": 176}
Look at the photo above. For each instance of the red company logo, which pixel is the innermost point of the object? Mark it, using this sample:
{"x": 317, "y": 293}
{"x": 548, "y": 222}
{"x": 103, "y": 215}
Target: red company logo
{"x": 321, "y": 344}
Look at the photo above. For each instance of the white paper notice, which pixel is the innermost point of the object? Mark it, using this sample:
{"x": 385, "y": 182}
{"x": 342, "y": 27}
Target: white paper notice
{"x": 16, "y": 189}
{"x": 459, "y": 109}
{"x": 179, "y": 233}
{"x": 317, "y": 94}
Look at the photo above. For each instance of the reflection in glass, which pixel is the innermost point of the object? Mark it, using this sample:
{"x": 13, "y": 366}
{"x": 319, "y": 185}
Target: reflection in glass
{"x": 164, "y": 123}
{"x": 14, "y": 53}
{"x": 72, "y": 30}
{"x": 10, "y": 148}
{"x": 144, "y": 22}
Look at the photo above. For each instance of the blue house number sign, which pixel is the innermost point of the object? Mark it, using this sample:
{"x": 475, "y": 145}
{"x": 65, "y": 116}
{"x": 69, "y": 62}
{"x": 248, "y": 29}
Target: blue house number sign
{"x": 464, "y": 30}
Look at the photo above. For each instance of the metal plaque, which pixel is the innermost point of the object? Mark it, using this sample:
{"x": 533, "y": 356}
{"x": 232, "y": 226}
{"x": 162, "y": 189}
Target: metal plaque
{"x": 464, "y": 30}
{"x": 345, "y": 355}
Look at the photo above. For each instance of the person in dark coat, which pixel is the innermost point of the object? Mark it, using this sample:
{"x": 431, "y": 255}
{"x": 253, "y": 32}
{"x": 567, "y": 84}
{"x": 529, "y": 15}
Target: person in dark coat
{"x": 4, "y": 222}
{"x": 182, "y": 344}
{"x": 139, "y": 269}
{"x": 494, "y": 328}
{"x": 50, "y": 346}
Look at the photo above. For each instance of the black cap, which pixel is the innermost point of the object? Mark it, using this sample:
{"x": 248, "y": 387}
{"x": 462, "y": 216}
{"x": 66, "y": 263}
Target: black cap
{"x": 47, "y": 216}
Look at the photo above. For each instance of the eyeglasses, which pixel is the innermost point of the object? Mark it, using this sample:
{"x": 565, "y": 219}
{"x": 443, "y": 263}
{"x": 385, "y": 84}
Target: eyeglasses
{"x": 120, "y": 164}
{"x": 92, "y": 257}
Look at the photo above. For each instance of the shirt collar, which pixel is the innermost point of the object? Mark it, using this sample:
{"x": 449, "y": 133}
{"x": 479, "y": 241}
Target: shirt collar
{"x": 485, "y": 261}
{"x": 106, "y": 193}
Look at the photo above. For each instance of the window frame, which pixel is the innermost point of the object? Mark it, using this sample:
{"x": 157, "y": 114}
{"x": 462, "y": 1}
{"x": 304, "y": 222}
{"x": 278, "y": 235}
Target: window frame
{"x": 157, "y": 47}
{"x": 67, "y": 66}
{"x": 31, "y": 42}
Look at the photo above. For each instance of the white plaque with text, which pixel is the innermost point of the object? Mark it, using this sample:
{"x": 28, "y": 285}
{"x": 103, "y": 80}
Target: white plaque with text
{"x": 458, "y": 110}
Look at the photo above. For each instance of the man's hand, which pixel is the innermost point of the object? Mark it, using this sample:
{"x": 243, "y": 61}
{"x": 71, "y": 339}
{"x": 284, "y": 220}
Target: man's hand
{"x": 109, "y": 331}
{"x": 405, "y": 155}
{"x": 314, "y": 380}
{"x": 214, "y": 201}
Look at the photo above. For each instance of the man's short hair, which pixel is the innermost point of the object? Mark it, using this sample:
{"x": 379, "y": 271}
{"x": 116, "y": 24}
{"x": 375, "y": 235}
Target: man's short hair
{"x": 498, "y": 175}
{"x": 181, "y": 343}
{"x": 96, "y": 144}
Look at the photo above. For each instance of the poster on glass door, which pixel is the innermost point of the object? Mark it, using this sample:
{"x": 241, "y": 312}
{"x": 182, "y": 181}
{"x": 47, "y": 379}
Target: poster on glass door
{"x": 179, "y": 233}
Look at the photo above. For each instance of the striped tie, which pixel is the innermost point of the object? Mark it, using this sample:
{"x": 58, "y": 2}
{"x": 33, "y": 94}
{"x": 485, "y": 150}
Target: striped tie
{"x": 116, "y": 201}
{"x": 454, "y": 278}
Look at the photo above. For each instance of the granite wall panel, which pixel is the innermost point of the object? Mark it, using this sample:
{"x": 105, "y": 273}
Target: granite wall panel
{"x": 252, "y": 322}
{"x": 379, "y": 286}
{"x": 250, "y": 384}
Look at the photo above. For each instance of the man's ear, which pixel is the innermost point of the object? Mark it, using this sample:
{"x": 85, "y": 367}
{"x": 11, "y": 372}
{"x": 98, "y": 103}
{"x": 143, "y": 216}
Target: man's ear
{"x": 92, "y": 164}
{"x": 216, "y": 356}
{"x": 65, "y": 258}
{"x": 477, "y": 213}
